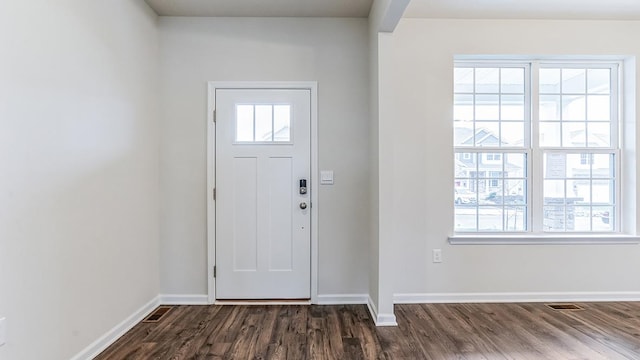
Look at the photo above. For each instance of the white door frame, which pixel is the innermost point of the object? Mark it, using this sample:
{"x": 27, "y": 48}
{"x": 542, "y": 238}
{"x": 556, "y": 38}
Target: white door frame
{"x": 211, "y": 175}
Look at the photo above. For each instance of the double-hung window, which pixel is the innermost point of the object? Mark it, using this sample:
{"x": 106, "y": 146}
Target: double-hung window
{"x": 536, "y": 147}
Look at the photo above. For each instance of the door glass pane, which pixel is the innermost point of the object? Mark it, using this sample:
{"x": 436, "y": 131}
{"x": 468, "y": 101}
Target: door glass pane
{"x": 263, "y": 123}
{"x": 264, "y": 129}
{"x": 244, "y": 123}
{"x": 282, "y": 123}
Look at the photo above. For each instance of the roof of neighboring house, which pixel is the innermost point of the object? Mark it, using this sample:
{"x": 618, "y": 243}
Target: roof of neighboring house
{"x": 483, "y": 137}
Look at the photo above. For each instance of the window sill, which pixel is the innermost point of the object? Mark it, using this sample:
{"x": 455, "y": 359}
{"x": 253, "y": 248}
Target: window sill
{"x": 546, "y": 239}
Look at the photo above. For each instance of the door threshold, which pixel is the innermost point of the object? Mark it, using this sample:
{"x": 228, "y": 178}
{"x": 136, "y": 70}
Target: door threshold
{"x": 264, "y": 302}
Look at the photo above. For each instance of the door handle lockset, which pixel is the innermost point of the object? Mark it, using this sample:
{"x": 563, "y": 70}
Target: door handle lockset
{"x": 303, "y": 186}
{"x": 303, "y": 205}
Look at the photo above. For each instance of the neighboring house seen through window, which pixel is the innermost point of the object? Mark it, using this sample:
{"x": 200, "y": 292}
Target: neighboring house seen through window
{"x": 536, "y": 147}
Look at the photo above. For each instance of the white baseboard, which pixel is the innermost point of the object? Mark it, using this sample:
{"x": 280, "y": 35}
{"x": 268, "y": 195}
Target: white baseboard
{"x": 341, "y": 299}
{"x": 114, "y": 334}
{"x": 380, "y": 319}
{"x": 173, "y": 299}
{"x": 433, "y": 298}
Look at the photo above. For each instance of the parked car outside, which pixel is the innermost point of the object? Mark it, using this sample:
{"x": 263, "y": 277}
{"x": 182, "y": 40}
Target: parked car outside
{"x": 464, "y": 196}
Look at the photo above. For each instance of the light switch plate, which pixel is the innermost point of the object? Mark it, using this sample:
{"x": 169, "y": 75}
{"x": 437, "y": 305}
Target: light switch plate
{"x": 326, "y": 177}
{"x": 3, "y": 331}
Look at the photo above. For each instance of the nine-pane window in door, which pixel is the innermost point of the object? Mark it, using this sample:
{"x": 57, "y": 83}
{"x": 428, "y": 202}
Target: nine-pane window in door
{"x": 263, "y": 123}
{"x": 535, "y": 156}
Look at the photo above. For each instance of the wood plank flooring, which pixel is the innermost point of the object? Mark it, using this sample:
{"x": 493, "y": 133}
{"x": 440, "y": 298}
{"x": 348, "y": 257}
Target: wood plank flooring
{"x": 425, "y": 331}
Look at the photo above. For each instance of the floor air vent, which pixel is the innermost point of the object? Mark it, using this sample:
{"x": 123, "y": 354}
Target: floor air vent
{"x": 564, "y": 307}
{"x": 157, "y": 314}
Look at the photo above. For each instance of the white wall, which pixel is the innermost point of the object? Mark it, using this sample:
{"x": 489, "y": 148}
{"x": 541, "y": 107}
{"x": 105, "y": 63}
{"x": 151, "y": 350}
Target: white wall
{"x": 330, "y": 51}
{"x": 416, "y": 106}
{"x": 79, "y": 179}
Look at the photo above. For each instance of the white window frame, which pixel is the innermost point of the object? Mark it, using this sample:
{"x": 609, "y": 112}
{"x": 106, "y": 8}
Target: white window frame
{"x": 534, "y": 233}
{"x": 502, "y": 150}
{"x": 538, "y": 151}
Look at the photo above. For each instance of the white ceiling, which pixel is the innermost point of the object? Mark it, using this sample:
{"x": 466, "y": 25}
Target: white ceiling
{"x": 262, "y": 8}
{"x": 525, "y": 9}
{"x": 457, "y": 9}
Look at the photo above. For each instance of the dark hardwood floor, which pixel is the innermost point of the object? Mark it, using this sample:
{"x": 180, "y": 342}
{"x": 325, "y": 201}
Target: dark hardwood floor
{"x": 432, "y": 331}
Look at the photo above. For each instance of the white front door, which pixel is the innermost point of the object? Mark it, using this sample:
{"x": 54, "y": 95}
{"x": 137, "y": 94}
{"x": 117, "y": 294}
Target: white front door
{"x": 263, "y": 237}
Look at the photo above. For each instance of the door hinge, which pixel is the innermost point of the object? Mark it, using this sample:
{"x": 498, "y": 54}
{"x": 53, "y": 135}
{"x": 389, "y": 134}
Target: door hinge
{"x": 214, "y": 115}
{"x": 214, "y": 271}
{"x": 214, "y": 193}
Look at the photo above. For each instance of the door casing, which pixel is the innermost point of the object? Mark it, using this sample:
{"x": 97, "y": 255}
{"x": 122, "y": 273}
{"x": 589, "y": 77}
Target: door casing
{"x": 211, "y": 175}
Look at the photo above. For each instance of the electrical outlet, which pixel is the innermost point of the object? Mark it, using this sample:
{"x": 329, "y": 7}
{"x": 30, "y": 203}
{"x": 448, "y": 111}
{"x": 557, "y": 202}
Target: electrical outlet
{"x": 437, "y": 255}
{"x": 3, "y": 331}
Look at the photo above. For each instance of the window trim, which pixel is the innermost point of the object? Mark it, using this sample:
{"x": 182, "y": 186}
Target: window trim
{"x": 534, "y": 233}
{"x": 543, "y": 239}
